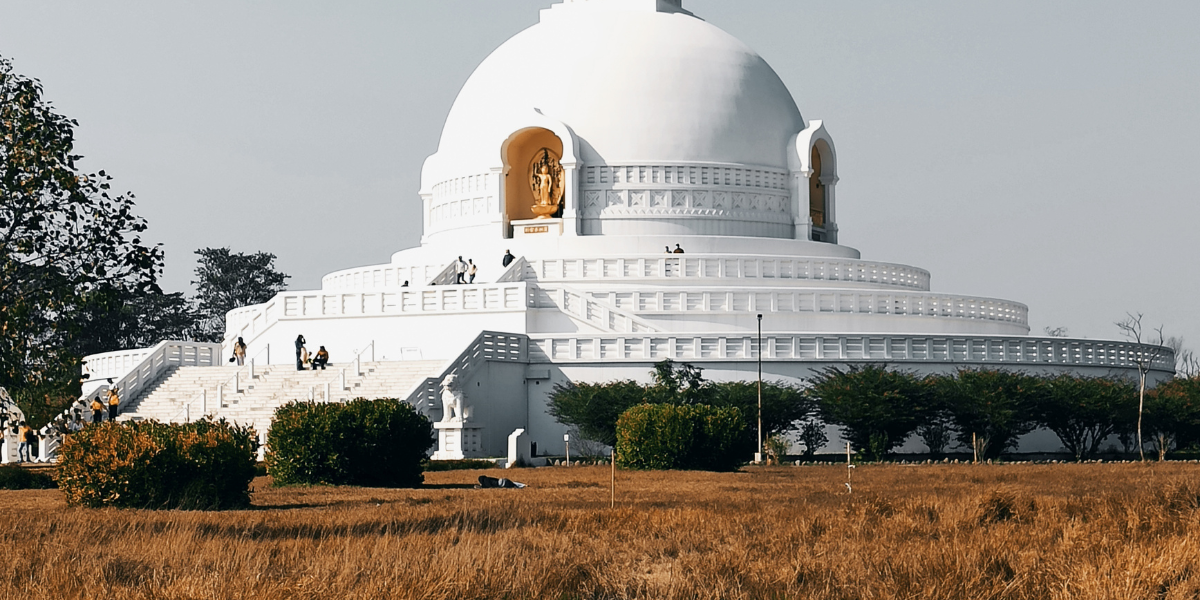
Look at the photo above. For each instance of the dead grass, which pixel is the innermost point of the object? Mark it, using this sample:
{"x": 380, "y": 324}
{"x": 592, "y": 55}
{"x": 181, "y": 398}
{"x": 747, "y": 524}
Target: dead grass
{"x": 944, "y": 531}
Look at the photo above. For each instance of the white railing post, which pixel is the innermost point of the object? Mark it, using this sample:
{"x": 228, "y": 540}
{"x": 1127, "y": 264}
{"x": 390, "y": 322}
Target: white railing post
{"x": 343, "y": 381}
{"x": 252, "y": 369}
{"x": 203, "y": 402}
{"x": 312, "y": 393}
{"x": 327, "y": 391}
{"x": 220, "y": 395}
{"x": 236, "y": 386}
{"x": 358, "y": 365}
{"x": 372, "y": 350}
{"x": 187, "y": 413}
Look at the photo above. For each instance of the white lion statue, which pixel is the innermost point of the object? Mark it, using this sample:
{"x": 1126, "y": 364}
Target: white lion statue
{"x": 453, "y": 409}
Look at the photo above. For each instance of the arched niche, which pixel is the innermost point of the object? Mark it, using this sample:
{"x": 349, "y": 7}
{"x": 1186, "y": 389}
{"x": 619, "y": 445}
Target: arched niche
{"x": 817, "y": 208}
{"x": 520, "y": 152}
{"x": 812, "y": 160}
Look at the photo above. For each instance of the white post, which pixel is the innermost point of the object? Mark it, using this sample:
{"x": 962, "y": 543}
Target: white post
{"x": 372, "y": 350}
{"x": 203, "y": 402}
{"x": 268, "y": 354}
{"x": 220, "y": 395}
{"x": 187, "y": 413}
{"x": 358, "y": 365}
{"x": 312, "y": 393}
{"x": 342, "y": 376}
{"x": 567, "y": 443}
{"x": 252, "y": 369}
{"x": 327, "y": 391}
{"x": 236, "y": 387}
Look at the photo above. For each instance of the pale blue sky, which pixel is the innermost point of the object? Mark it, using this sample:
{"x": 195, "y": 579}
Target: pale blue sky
{"x": 1044, "y": 152}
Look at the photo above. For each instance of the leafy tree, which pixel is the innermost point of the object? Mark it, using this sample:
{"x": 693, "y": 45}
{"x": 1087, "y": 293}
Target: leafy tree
{"x": 783, "y": 405}
{"x": 937, "y": 431}
{"x": 995, "y": 406}
{"x": 877, "y": 408}
{"x": 114, "y": 318}
{"x": 63, "y": 235}
{"x": 812, "y": 435}
{"x": 1172, "y": 414}
{"x": 1084, "y": 411}
{"x": 594, "y": 408}
{"x": 674, "y": 383}
{"x": 227, "y": 280}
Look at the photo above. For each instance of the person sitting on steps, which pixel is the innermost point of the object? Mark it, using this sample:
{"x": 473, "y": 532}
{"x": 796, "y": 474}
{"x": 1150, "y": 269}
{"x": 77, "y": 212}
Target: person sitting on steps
{"x": 321, "y": 359}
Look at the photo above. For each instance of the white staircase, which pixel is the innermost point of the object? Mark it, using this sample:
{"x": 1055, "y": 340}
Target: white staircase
{"x": 191, "y": 392}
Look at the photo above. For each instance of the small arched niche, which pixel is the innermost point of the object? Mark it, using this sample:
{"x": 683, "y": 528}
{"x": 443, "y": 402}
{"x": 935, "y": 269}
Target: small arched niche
{"x": 818, "y": 190}
{"x": 520, "y": 152}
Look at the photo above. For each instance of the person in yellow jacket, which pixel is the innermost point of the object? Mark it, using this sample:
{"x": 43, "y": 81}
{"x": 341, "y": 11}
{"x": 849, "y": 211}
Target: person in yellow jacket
{"x": 23, "y": 446}
{"x": 97, "y": 410}
{"x": 114, "y": 402}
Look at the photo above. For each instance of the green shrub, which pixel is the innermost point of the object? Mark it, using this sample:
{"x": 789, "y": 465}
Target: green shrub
{"x": 431, "y": 466}
{"x": 667, "y": 436}
{"x": 206, "y": 465}
{"x": 371, "y": 443}
{"x": 17, "y": 478}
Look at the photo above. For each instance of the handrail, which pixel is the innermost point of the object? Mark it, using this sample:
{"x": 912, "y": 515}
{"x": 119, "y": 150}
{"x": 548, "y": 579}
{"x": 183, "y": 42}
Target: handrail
{"x": 515, "y": 271}
{"x": 487, "y": 346}
{"x": 341, "y": 376}
{"x": 236, "y": 377}
{"x": 585, "y": 307}
{"x": 186, "y": 409}
{"x": 447, "y": 276}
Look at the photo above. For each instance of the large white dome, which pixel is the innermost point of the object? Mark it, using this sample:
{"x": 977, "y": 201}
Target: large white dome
{"x": 635, "y": 85}
{"x": 663, "y": 123}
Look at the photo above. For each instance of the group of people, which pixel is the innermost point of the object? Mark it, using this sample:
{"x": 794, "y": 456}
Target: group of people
{"x": 465, "y": 271}
{"x": 110, "y": 404}
{"x": 305, "y": 361}
{"x": 678, "y": 249}
{"x": 27, "y": 437}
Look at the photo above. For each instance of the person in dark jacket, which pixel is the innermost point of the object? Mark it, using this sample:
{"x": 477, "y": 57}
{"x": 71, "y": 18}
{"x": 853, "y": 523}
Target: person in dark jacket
{"x": 299, "y": 346}
{"x": 508, "y": 258}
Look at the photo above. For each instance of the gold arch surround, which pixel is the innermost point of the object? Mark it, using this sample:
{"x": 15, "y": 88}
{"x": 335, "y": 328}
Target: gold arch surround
{"x": 522, "y": 153}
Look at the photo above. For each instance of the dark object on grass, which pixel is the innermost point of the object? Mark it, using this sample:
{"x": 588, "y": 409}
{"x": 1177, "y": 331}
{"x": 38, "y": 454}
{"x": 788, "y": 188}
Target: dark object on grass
{"x": 486, "y": 482}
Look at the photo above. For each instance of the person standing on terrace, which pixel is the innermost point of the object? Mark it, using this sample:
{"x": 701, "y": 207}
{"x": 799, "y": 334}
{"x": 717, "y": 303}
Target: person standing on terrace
{"x": 114, "y": 403}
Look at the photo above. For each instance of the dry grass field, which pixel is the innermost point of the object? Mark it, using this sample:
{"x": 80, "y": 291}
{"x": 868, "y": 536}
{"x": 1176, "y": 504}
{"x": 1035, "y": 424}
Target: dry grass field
{"x": 945, "y": 531}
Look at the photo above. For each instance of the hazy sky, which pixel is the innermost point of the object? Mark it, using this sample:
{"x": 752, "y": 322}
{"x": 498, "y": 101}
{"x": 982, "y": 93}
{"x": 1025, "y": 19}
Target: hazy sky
{"x": 1039, "y": 151}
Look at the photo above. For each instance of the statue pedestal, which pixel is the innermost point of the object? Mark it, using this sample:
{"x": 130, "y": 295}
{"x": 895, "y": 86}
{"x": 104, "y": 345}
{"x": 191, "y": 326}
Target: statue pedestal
{"x": 536, "y": 227}
{"x": 457, "y": 441}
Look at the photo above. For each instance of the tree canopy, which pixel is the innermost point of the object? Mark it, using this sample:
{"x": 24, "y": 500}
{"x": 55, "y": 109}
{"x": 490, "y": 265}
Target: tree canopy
{"x": 226, "y": 280}
{"x": 64, "y": 235}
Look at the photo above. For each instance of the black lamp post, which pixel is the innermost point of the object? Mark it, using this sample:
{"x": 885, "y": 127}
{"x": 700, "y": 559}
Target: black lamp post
{"x": 759, "y": 455}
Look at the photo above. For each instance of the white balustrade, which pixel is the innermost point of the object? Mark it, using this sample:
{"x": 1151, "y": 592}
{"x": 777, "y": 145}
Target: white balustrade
{"x": 250, "y": 322}
{"x": 880, "y": 348}
{"x": 677, "y": 301}
{"x": 728, "y": 267}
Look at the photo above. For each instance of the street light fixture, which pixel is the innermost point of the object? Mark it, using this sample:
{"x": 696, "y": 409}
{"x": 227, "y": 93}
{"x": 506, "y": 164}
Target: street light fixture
{"x": 758, "y": 456}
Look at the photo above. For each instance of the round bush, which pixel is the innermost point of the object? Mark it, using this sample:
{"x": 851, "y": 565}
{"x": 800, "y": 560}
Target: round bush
{"x": 371, "y": 443}
{"x": 205, "y": 465}
{"x": 669, "y": 436}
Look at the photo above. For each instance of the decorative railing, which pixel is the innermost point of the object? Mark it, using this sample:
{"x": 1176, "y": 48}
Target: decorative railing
{"x": 683, "y": 266}
{"x": 112, "y": 364}
{"x": 251, "y": 322}
{"x": 136, "y": 382}
{"x": 340, "y": 379}
{"x": 588, "y": 309}
{"x": 381, "y": 276}
{"x": 990, "y": 350}
{"x": 488, "y": 346}
{"x": 834, "y": 301}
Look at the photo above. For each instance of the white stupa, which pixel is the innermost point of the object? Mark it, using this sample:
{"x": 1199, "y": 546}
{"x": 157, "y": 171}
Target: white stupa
{"x": 589, "y": 145}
